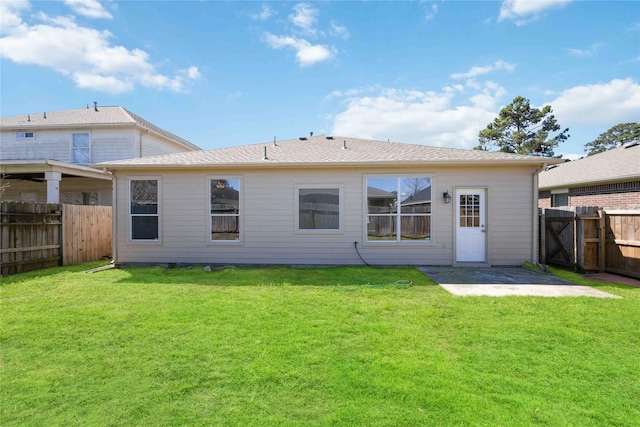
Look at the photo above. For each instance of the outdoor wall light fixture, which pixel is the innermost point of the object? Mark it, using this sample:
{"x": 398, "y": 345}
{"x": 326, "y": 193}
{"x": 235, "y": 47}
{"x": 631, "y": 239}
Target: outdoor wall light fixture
{"x": 446, "y": 196}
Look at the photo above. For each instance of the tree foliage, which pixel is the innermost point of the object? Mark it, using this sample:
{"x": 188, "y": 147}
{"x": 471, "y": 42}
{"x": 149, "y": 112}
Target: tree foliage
{"x": 523, "y": 129}
{"x": 614, "y": 137}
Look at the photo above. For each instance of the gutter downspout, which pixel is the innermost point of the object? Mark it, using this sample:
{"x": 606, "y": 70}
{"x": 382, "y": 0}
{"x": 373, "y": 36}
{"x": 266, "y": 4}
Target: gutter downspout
{"x": 114, "y": 220}
{"x": 535, "y": 231}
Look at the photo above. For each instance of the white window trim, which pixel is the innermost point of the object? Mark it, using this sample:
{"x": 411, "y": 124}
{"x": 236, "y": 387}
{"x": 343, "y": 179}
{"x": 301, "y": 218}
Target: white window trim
{"x": 296, "y": 208}
{"x": 159, "y": 214}
{"x": 240, "y": 240}
{"x": 90, "y": 147}
{"x": 400, "y": 243}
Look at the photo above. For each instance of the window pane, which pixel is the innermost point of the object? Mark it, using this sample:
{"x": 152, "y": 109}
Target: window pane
{"x": 381, "y": 227}
{"x": 144, "y": 197}
{"x": 415, "y": 227}
{"x": 382, "y": 195}
{"x": 81, "y": 148}
{"x": 225, "y": 196}
{"x": 144, "y": 227}
{"x": 224, "y": 228}
{"x": 416, "y": 195}
{"x": 319, "y": 209}
{"x": 469, "y": 210}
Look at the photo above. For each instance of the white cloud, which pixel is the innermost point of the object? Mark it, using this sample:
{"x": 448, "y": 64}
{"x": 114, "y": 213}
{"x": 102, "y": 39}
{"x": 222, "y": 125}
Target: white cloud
{"x": 85, "y": 54}
{"x": 432, "y": 12}
{"x": 88, "y": 8}
{"x": 100, "y": 83}
{"x": 421, "y": 117}
{"x": 10, "y": 14}
{"x": 232, "y": 96}
{"x": 338, "y": 30}
{"x": 478, "y": 71}
{"x": 605, "y": 104}
{"x": 586, "y": 52}
{"x": 305, "y": 17}
{"x": 306, "y": 53}
{"x": 264, "y": 14}
{"x": 523, "y": 11}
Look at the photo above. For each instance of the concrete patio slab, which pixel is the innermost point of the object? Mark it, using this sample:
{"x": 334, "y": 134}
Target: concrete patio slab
{"x": 507, "y": 281}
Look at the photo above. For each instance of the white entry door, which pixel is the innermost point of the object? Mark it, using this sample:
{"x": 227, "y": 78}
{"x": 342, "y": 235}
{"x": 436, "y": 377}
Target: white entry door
{"x": 471, "y": 236}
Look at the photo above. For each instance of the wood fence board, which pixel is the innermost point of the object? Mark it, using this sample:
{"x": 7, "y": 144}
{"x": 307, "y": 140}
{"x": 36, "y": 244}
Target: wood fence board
{"x": 39, "y": 235}
{"x": 623, "y": 255}
{"x": 604, "y": 241}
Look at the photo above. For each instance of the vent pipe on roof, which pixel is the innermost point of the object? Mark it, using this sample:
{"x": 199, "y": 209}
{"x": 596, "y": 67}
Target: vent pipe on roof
{"x": 95, "y": 105}
{"x": 329, "y": 137}
{"x": 275, "y": 144}
{"x": 310, "y": 133}
{"x": 344, "y": 144}
{"x": 29, "y": 117}
{"x": 265, "y": 153}
{"x": 45, "y": 115}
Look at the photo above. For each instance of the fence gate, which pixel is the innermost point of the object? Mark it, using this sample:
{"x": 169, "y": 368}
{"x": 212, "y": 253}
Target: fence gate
{"x": 558, "y": 238}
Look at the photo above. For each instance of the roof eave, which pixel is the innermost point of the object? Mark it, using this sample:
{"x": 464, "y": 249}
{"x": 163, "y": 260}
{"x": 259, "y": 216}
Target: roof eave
{"x": 291, "y": 165}
{"x": 574, "y": 184}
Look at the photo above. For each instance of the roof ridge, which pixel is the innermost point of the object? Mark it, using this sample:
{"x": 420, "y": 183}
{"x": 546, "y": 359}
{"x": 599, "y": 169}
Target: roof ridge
{"x": 147, "y": 124}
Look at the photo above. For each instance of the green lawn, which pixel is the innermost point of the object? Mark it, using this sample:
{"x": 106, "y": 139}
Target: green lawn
{"x": 292, "y": 347}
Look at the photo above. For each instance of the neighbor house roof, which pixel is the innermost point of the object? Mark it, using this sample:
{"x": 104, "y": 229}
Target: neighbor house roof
{"x": 327, "y": 150}
{"x": 616, "y": 165}
{"x": 99, "y": 116}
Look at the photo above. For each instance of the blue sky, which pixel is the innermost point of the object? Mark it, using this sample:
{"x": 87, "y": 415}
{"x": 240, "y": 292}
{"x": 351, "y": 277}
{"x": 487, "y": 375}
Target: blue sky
{"x": 229, "y": 73}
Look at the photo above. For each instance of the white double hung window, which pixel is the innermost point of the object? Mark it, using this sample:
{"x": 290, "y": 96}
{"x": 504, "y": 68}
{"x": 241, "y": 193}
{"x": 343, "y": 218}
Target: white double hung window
{"x": 81, "y": 148}
{"x": 225, "y": 208}
{"x": 144, "y": 209}
{"x": 398, "y": 209}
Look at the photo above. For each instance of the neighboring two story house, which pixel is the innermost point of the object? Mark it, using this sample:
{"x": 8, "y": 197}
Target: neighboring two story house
{"x": 45, "y": 156}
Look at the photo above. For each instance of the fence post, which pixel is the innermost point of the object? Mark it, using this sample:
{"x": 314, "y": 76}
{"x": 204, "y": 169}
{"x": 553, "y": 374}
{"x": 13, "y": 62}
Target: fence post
{"x": 602, "y": 245}
{"x": 543, "y": 239}
{"x": 580, "y": 244}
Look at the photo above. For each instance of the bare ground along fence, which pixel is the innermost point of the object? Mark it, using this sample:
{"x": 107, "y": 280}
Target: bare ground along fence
{"x": 591, "y": 239}
{"x": 39, "y": 235}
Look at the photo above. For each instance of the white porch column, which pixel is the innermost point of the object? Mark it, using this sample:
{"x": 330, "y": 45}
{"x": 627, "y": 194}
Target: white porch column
{"x": 53, "y": 186}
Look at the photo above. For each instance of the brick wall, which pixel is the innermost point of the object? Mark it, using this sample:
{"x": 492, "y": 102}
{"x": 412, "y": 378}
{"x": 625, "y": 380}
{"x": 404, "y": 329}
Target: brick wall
{"x": 620, "y": 195}
{"x": 544, "y": 199}
{"x": 608, "y": 201}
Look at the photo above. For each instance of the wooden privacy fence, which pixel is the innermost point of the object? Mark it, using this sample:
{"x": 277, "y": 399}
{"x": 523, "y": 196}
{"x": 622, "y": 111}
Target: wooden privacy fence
{"x": 39, "y": 235}
{"x": 591, "y": 239}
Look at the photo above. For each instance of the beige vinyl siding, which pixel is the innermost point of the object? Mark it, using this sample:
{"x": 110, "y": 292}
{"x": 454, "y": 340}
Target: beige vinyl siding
{"x": 54, "y": 144}
{"x": 151, "y": 145}
{"x": 268, "y": 219}
{"x": 113, "y": 144}
{"x": 510, "y": 211}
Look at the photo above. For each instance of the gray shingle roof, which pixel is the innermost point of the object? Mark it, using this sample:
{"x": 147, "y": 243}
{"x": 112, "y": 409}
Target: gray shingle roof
{"x": 86, "y": 117}
{"x": 322, "y": 151}
{"x": 619, "y": 164}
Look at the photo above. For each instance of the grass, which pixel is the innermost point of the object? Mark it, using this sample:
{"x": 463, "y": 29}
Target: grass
{"x": 291, "y": 347}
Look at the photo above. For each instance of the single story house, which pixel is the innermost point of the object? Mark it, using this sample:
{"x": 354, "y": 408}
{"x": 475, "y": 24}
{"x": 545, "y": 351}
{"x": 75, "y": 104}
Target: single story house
{"x": 610, "y": 180}
{"x": 327, "y": 200}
